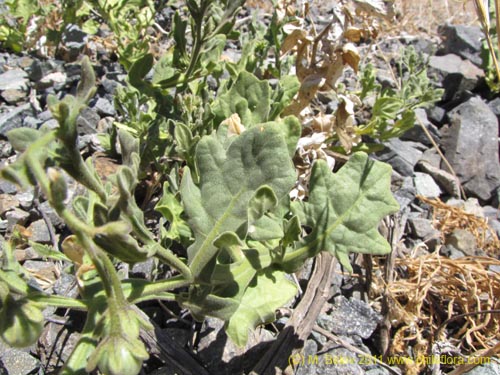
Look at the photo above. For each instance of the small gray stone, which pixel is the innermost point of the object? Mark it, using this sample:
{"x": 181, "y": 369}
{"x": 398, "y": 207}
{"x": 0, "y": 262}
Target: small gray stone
{"x": 362, "y": 318}
{"x": 18, "y": 362}
{"x": 14, "y": 118}
{"x": 403, "y": 156}
{"x": 65, "y": 284}
{"x": 423, "y": 229}
{"x": 471, "y": 146}
{"x": 445, "y": 180}
{"x": 451, "y": 252}
{"x": 426, "y": 186}
{"x": 463, "y": 240}
{"x": 87, "y": 121}
{"x": 104, "y": 107}
{"x": 16, "y": 216}
{"x": 25, "y": 198}
{"x": 54, "y": 218}
{"x": 436, "y": 114}
{"x": 405, "y": 194}
{"x": 14, "y": 96}
{"x": 431, "y": 156}
{"x": 54, "y": 79}
{"x": 6, "y": 149}
{"x": 455, "y": 74}
{"x": 39, "y": 232}
{"x": 464, "y": 41}
{"x": 31, "y": 122}
{"x": 495, "y": 106}
{"x": 492, "y": 368}
{"x": 7, "y": 187}
{"x": 15, "y": 79}
{"x": 7, "y": 203}
{"x": 144, "y": 269}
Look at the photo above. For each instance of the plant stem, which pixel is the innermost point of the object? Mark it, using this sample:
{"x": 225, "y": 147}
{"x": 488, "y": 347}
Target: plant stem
{"x": 59, "y": 301}
{"x": 169, "y": 258}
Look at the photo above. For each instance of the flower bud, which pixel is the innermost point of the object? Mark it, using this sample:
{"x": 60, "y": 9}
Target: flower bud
{"x": 118, "y": 355}
{"x": 114, "y": 238}
{"x": 58, "y": 187}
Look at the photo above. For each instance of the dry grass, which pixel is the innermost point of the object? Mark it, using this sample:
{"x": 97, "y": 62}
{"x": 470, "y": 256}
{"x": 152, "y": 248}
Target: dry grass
{"x": 427, "y": 15}
{"x": 431, "y": 289}
{"x": 414, "y": 17}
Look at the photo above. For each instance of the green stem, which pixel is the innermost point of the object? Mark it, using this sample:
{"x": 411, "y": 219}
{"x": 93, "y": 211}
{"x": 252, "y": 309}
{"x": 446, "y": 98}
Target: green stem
{"x": 59, "y": 301}
{"x": 169, "y": 258}
{"x": 85, "y": 176}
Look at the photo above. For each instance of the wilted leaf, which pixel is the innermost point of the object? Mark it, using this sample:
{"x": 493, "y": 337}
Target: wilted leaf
{"x": 234, "y": 125}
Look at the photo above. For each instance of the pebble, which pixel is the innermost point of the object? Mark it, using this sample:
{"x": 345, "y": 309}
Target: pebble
{"x": 39, "y": 232}
{"x": 426, "y": 186}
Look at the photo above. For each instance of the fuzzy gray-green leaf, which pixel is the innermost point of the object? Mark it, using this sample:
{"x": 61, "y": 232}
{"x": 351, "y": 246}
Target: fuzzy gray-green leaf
{"x": 344, "y": 210}
{"x": 228, "y": 180}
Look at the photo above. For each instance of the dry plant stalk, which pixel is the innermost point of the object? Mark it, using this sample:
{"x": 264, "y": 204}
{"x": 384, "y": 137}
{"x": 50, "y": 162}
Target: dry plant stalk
{"x": 448, "y": 218}
{"x": 484, "y": 19}
{"x": 429, "y": 290}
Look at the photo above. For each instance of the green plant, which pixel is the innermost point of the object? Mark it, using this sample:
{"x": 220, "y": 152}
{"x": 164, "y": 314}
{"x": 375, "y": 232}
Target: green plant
{"x": 231, "y": 212}
{"x": 393, "y": 111}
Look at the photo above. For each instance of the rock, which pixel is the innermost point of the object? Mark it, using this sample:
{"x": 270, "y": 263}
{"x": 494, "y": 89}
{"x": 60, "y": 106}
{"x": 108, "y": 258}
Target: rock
{"x": 464, "y": 41}
{"x": 426, "y": 186}
{"x": 16, "y": 216}
{"x": 417, "y": 134}
{"x": 14, "y": 96}
{"x": 54, "y": 218}
{"x": 39, "y": 69}
{"x": 46, "y": 271}
{"x": 6, "y": 149}
{"x": 87, "y": 121}
{"x": 17, "y": 362}
{"x": 218, "y": 352}
{"x": 54, "y": 79}
{"x": 431, "y": 157}
{"x": 463, "y": 240}
{"x": 338, "y": 361}
{"x": 362, "y": 320}
{"x": 495, "y": 106}
{"x": 74, "y": 40}
{"x": 15, "y": 79}
{"x": 471, "y": 146}
{"x": 406, "y": 192}
{"x": 445, "y": 180}
{"x": 423, "y": 229}
{"x": 451, "y": 252}
{"x": 40, "y": 232}
{"x": 65, "y": 284}
{"x": 455, "y": 74}
{"x": 436, "y": 114}
{"x": 7, "y": 187}
{"x": 492, "y": 368}
{"x": 402, "y": 155}
{"x": 143, "y": 270}
{"x": 7, "y": 202}
{"x": 26, "y": 198}
{"x": 104, "y": 107}
{"x": 14, "y": 118}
